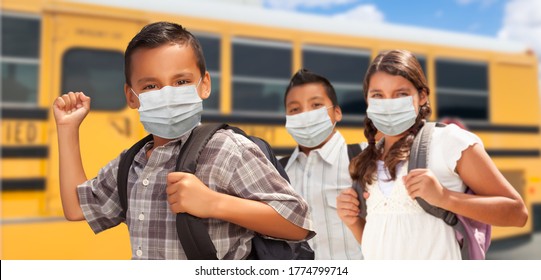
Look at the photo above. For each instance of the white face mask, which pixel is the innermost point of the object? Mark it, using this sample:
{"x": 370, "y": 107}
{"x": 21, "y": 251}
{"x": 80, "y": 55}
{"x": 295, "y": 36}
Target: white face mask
{"x": 170, "y": 112}
{"x": 392, "y": 116}
{"x": 310, "y": 128}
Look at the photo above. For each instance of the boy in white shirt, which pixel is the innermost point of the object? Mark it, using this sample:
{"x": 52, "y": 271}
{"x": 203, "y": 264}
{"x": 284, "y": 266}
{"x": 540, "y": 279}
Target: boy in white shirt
{"x": 318, "y": 167}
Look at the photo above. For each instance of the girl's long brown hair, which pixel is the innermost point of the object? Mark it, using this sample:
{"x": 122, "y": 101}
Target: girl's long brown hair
{"x": 398, "y": 63}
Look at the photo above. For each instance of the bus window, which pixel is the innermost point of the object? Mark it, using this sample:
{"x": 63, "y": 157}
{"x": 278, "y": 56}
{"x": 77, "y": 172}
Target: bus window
{"x": 211, "y": 51}
{"x": 20, "y": 59}
{"x": 462, "y": 89}
{"x": 97, "y": 73}
{"x": 261, "y": 72}
{"x": 422, "y": 61}
{"x": 345, "y": 69}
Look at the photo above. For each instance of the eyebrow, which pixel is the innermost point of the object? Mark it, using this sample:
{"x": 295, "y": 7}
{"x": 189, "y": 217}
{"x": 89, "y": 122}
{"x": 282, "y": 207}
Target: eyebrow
{"x": 403, "y": 89}
{"x": 316, "y": 98}
{"x": 396, "y": 90}
{"x": 183, "y": 75}
{"x": 176, "y": 76}
{"x": 145, "y": 79}
{"x": 292, "y": 103}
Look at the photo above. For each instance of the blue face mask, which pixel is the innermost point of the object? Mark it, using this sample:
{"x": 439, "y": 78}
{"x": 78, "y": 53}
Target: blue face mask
{"x": 170, "y": 112}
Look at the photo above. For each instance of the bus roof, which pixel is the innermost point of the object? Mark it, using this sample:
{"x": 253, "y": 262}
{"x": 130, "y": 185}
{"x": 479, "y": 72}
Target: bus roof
{"x": 285, "y": 19}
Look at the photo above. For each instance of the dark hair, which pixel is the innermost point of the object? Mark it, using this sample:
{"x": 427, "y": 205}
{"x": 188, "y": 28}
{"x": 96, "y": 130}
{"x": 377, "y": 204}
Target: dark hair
{"x": 158, "y": 34}
{"x": 305, "y": 76}
{"x": 398, "y": 63}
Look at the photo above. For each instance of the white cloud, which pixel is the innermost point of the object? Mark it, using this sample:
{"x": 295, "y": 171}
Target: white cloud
{"x": 367, "y": 13}
{"x": 522, "y": 22}
{"x": 363, "y": 12}
{"x": 294, "y": 4}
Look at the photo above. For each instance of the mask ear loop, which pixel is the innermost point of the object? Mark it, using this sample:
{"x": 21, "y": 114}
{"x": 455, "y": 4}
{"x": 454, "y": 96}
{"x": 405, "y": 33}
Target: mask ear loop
{"x": 198, "y": 83}
{"x": 131, "y": 89}
{"x": 329, "y": 107}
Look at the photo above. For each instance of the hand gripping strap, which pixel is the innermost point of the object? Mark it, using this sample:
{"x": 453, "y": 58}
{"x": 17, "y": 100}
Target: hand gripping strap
{"x": 192, "y": 233}
{"x": 473, "y": 236}
{"x": 418, "y": 159}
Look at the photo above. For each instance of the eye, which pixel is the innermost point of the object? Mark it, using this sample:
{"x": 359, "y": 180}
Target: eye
{"x": 376, "y": 95}
{"x": 403, "y": 94}
{"x": 317, "y": 105}
{"x": 293, "y": 111}
{"x": 149, "y": 87}
{"x": 182, "y": 82}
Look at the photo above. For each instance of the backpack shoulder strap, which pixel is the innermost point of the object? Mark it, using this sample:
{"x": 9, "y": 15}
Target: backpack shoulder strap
{"x": 265, "y": 148}
{"x": 283, "y": 161}
{"x": 269, "y": 154}
{"x": 123, "y": 170}
{"x": 418, "y": 159}
{"x": 191, "y": 231}
{"x": 194, "y": 145}
{"x": 353, "y": 150}
{"x": 419, "y": 149}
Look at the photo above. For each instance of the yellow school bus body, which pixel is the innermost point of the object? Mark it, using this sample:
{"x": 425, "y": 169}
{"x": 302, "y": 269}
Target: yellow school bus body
{"x": 33, "y": 226}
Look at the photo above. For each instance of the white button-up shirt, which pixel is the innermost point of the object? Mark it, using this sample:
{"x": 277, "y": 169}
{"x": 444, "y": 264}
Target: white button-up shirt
{"x": 319, "y": 178}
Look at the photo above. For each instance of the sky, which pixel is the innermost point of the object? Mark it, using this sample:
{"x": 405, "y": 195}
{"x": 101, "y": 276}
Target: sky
{"x": 516, "y": 20}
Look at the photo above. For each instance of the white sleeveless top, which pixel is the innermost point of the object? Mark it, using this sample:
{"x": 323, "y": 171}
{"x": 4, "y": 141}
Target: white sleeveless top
{"x": 396, "y": 226}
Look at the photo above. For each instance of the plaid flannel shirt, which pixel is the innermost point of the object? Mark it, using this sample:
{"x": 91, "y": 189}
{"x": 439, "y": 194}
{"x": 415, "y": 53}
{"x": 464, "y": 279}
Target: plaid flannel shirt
{"x": 230, "y": 164}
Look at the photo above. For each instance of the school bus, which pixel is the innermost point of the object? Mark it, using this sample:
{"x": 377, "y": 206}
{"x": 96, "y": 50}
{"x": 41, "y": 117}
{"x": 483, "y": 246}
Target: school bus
{"x": 50, "y": 47}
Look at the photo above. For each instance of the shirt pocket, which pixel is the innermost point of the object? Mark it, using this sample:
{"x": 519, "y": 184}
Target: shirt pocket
{"x": 330, "y": 197}
{"x": 330, "y": 213}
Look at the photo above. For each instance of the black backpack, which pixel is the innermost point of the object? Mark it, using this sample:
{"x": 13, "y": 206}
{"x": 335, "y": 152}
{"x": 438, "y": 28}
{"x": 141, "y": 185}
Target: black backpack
{"x": 192, "y": 232}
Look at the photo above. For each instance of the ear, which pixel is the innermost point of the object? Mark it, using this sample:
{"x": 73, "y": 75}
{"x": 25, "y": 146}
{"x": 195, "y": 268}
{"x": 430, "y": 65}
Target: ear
{"x": 423, "y": 98}
{"x": 337, "y": 113}
{"x": 206, "y": 87}
{"x": 131, "y": 99}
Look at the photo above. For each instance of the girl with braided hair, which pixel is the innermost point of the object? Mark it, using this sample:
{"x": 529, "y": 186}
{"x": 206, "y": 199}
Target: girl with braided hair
{"x": 395, "y": 226}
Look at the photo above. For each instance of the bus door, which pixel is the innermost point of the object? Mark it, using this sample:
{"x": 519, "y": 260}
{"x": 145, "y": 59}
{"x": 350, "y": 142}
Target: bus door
{"x": 88, "y": 55}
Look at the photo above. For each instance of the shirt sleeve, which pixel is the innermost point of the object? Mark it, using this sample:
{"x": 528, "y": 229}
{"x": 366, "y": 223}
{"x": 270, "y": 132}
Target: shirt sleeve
{"x": 252, "y": 176}
{"x": 454, "y": 140}
{"x": 99, "y": 199}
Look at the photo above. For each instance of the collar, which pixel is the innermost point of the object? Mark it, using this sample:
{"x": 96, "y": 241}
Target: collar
{"x": 140, "y": 157}
{"x": 329, "y": 152}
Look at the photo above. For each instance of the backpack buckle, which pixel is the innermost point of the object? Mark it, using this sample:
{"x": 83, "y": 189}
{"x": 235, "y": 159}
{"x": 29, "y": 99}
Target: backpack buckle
{"x": 450, "y": 218}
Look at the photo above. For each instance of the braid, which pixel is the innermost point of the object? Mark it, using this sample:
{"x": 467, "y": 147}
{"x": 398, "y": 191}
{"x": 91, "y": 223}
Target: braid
{"x": 363, "y": 167}
{"x": 402, "y": 63}
{"x": 401, "y": 149}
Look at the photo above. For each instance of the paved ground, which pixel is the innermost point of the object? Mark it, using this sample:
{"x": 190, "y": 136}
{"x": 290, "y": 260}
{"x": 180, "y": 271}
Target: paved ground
{"x": 519, "y": 248}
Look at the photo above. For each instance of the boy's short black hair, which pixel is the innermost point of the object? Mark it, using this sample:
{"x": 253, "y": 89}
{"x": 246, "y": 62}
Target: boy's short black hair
{"x": 305, "y": 76}
{"x": 160, "y": 33}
